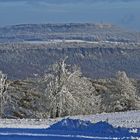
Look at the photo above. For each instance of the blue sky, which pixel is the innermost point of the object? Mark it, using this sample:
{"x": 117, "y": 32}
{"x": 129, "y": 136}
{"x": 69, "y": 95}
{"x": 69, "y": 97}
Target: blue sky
{"x": 120, "y": 12}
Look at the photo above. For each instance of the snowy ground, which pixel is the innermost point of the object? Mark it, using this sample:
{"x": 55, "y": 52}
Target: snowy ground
{"x": 72, "y": 129}
{"x": 71, "y": 41}
{"x": 129, "y": 119}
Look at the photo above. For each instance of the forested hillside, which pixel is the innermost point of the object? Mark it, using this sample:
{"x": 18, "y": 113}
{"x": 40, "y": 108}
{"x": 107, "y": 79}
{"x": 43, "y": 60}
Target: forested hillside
{"x": 64, "y": 91}
{"x": 97, "y": 60}
{"x": 58, "y": 70}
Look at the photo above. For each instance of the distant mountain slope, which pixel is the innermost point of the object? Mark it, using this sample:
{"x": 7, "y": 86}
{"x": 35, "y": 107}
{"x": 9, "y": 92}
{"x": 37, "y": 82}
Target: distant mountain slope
{"x": 85, "y": 31}
{"x": 110, "y": 49}
{"x": 101, "y": 60}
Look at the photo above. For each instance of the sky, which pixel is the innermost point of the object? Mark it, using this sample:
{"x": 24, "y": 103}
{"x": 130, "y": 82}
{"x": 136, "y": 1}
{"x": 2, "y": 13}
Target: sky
{"x": 123, "y": 13}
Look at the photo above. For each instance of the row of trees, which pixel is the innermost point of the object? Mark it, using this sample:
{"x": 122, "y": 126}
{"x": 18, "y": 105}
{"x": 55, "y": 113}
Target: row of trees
{"x": 69, "y": 93}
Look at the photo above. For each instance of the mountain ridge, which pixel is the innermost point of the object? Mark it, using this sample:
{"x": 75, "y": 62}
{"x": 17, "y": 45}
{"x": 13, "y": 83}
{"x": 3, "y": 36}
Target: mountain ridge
{"x": 83, "y": 31}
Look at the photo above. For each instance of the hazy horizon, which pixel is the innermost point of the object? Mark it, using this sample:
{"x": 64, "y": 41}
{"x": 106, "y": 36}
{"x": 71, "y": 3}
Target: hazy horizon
{"x": 123, "y": 13}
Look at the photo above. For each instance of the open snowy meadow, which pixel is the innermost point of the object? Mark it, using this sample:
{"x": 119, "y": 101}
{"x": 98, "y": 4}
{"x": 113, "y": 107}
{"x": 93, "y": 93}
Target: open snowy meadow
{"x": 125, "y": 125}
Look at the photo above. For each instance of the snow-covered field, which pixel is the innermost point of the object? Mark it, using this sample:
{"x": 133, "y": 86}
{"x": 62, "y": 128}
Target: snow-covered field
{"x": 74, "y": 128}
{"x": 130, "y": 119}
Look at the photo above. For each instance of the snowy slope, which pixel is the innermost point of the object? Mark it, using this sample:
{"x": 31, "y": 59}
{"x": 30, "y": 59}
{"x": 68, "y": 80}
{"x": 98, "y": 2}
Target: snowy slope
{"x": 72, "y": 129}
{"x": 92, "y": 127}
{"x": 130, "y": 119}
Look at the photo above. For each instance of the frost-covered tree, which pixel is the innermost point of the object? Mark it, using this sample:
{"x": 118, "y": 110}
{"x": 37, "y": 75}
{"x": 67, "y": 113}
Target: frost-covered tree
{"x": 3, "y": 90}
{"x": 127, "y": 93}
{"x": 61, "y": 100}
{"x": 120, "y": 94}
{"x": 68, "y": 93}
